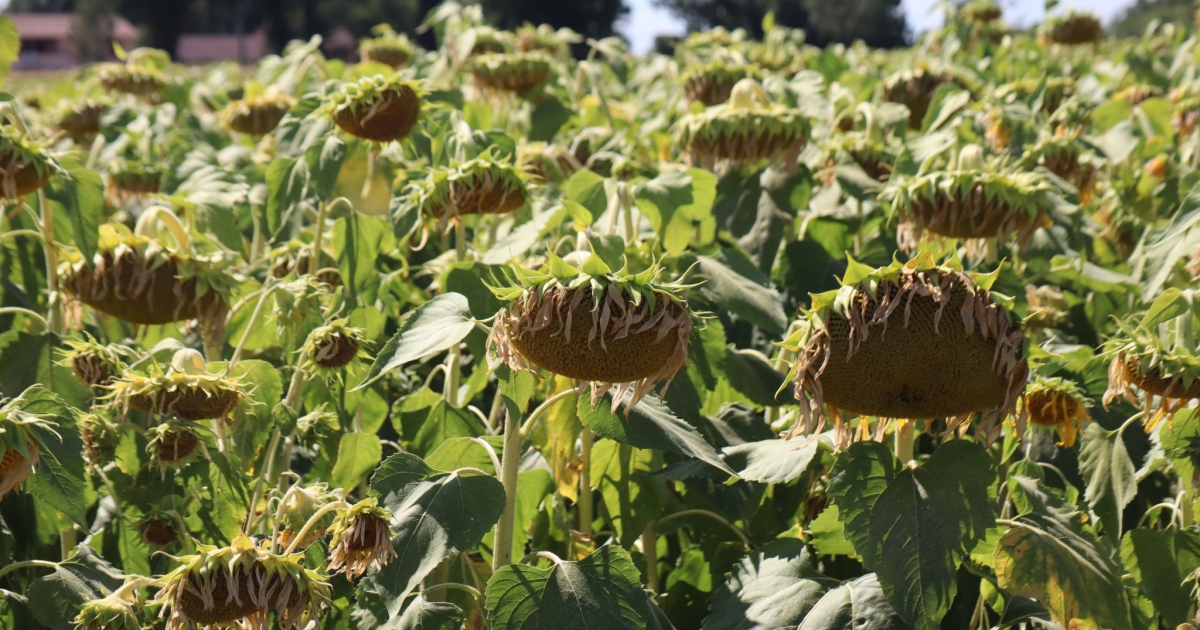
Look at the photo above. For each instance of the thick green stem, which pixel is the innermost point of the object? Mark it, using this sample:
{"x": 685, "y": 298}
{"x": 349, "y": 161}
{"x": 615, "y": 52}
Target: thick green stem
{"x": 314, "y": 260}
{"x": 67, "y": 539}
{"x": 453, "y": 375}
{"x": 650, "y": 552}
{"x": 904, "y": 440}
{"x": 510, "y": 458}
{"x": 586, "y": 515}
{"x": 54, "y": 300}
{"x": 268, "y": 472}
{"x": 312, "y": 522}
{"x": 45, "y": 564}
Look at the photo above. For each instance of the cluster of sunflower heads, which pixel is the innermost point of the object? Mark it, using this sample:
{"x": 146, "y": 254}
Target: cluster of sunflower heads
{"x": 515, "y": 73}
{"x": 377, "y": 108}
{"x": 916, "y": 340}
{"x": 186, "y": 389}
{"x": 81, "y": 121}
{"x": 257, "y": 115}
{"x": 747, "y": 129}
{"x": 1072, "y": 28}
{"x": 483, "y": 185}
{"x": 25, "y": 166}
{"x": 971, "y": 198}
{"x": 387, "y": 47}
{"x": 361, "y": 539}
{"x": 1158, "y": 357}
{"x": 240, "y": 586}
{"x": 578, "y": 318}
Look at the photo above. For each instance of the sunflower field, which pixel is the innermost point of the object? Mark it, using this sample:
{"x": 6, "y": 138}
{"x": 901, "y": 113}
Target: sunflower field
{"x": 528, "y": 332}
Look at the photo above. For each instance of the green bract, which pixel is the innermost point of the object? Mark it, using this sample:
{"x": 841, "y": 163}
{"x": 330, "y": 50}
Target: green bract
{"x": 914, "y": 340}
{"x": 578, "y": 318}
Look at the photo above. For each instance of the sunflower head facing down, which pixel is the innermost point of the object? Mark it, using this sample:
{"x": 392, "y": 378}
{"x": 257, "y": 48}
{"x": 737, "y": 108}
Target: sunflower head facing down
{"x": 240, "y": 586}
{"x": 186, "y": 389}
{"x": 578, "y": 318}
{"x": 511, "y": 72}
{"x": 1156, "y": 354}
{"x": 257, "y": 115}
{"x": 484, "y": 185}
{"x": 1057, "y": 404}
{"x": 95, "y": 364}
{"x": 22, "y": 434}
{"x": 334, "y": 346}
{"x": 361, "y": 539}
{"x": 745, "y": 129}
{"x": 387, "y": 47}
{"x": 109, "y": 613}
{"x": 914, "y": 340}
{"x": 376, "y": 108}
{"x": 25, "y": 166}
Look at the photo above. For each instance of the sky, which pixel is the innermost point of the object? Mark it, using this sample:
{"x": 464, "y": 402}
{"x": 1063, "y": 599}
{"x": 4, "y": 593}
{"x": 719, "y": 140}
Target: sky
{"x": 645, "y": 20}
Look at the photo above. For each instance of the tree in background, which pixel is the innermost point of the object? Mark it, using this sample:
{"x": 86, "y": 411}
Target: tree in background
{"x": 1135, "y": 19}
{"x": 879, "y": 23}
{"x": 93, "y": 29}
{"x": 590, "y": 18}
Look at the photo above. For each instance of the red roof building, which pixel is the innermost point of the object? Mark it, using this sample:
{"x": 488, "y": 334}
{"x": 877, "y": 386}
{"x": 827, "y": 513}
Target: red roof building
{"x": 48, "y": 40}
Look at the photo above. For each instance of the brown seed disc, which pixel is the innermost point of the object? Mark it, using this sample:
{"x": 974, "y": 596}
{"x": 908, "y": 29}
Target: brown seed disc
{"x": 176, "y": 445}
{"x": 189, "y": 403}
{"x": 515, "y": 82}
{"x": 338, "y": 351}
{"x": 974, "y": 216}
{"x": 629, "y": 359}
{"x": 82, "y": 122}
{"x": 1153, "y": 382}
{"x": 258, "y": 121}
{"x": 126, "y": 289}
{"x": 224, "y": 609}
{"x": 18, "y": 179}
{"x": 914, "y": 371}
{"x": 708, "y": 90}
{"x": 15, "y": 469}
{"x": 390, "y": 117}
{"x": 1081, "y": 29}
{"x": 1049, "y": 408}
{"x": 159, "y": 530}
{"x": 393, "y": 57}
{"x": 91, "y": 370}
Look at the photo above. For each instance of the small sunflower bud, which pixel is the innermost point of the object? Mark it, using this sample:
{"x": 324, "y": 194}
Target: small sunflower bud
{"x": 109, "y": 613}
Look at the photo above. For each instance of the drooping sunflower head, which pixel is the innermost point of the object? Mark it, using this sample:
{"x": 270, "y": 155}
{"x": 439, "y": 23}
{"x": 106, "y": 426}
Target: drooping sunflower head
{"x": 376, "y": 108}
{"x": 134, "y": 180}
{"x": 1047, "y": 307}
{"x": 108, "y": 613}
{"x": 481, "y": 40}
{"x": 22, "y": 433}
{"x": 1072, "y": 28}
{"x": 361, "y": 539}
{"x": 334, "y": 346}
{"x": 914, "y": 88}
{"x": 257, "y": 115}
{"x": 159, "y": 528}
{"x": 81, "y": 120}
{"x": 746, "y": 129}
{"x": 186, "y": 389}
{"x": 387, "y": 47}
{"x": 971, "y": 198}
{"x": 1061, "y": 153}
{"x": 483, "y": 185}
{"x": 174, "y": 443}
{"x": 1058, "y": 404}
{"x": 982, "y": 11}
{"x": 543, "y": 37}
{"x": 870, "y": 151}
{"x": 295, "y": 256}
{"x": 1138, "y": 92}
{"x": 511, "y": 72}
{"x": 25, "y": 166}
{"x": 1157, "y": 356}
{"x": 914, "y": 340}
{"x": 241, "y": 586}
{"x": 1186, "y": 111}
{"x": 100, "y": 435}
{"x": 578, "y": 318}
{"x": 141, "y": 278}
{"x": 144, "y": 81}
{"x": 95, "y": 364}
{"x": 711, "y": 83}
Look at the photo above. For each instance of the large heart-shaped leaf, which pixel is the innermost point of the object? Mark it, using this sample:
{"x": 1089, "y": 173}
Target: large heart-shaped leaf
{"x": 855, "y": 605}
{"x": 1110, "y": 473}
{"x": 649, "y": 425}
{"x": 773, "y": 587}
{"x": 433, "y": 327}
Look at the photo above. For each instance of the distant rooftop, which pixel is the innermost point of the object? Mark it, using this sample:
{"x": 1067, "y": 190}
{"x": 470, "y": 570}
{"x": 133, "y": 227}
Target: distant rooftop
{"x": 57, "y": 25}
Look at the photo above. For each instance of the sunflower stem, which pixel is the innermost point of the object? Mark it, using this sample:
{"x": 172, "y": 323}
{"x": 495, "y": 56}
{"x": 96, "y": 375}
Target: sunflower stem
{"x": 318, "y": 231}
{"x": 510, "y": 458}
{"x": 219, "y": 431}
{"x": 627, "y": 210}
{"x": 17, "y": 310}
{"x": 53, "y": 301}
{"x": 586, "y": 515}
{"x": 904, "y": 440}
{"x": 312, "y": 522}
{"x": 650, "y": 552}
{"x": 66, "y": 541}
{"x": 94, "y": 154}
{"x": 453, "y": 375}
{"x": 45, "y": 564}
{"x": 712, "y": 515}
{"x": 262, "y": 300}
{"x": 268, "y": 471}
